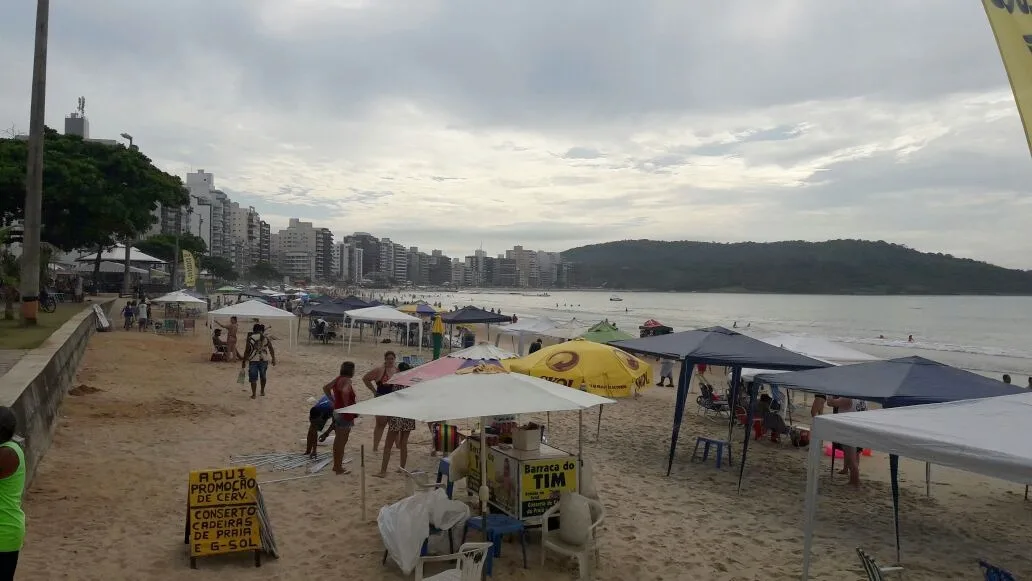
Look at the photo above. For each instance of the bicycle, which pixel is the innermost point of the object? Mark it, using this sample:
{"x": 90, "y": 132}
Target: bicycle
{"x": 47, "y": 303}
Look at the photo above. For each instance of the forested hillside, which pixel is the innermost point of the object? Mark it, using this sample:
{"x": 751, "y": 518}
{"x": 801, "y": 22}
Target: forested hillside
{"x": 832, "y": 267}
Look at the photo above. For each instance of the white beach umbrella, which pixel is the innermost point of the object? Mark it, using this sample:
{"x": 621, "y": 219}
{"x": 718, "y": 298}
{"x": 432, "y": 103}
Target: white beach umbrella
{"x": 472, "y": 393}
{"x": 179, "y": 297}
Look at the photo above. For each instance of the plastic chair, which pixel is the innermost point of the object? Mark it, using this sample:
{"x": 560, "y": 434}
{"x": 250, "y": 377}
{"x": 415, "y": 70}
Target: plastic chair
{"x": 707, "y": 442}
{"x": 550, "y": 540}
{"x": 469, "y": 564}
{"x": 874, "y": 572}
{"x": 444, "y": 473}
{"x": 994, "y": 573}
{"x": 498, "y": 525}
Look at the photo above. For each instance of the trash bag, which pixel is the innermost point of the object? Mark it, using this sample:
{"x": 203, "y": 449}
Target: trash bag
{"x": 405, "y": 525}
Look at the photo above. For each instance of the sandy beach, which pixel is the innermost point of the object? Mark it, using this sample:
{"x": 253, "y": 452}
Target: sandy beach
{"x": 108, "y": 500}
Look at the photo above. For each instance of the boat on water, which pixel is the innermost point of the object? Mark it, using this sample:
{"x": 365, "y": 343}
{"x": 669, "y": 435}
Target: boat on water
{"x": 615, "y": 298}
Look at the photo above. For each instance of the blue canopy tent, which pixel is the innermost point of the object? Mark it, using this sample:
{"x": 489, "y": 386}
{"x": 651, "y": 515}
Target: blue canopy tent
{"x": 715, "y": 346}
{"x": 352, "y": 302}
{"x": 894, "y": 383}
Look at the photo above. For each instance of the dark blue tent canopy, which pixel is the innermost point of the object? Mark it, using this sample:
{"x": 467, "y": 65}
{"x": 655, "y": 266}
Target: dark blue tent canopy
{"x": 894, "y": 383}
{"x": 334, "y": 310}
{"x": 352, "y": 302}
{"x": 715, "y": 346}
{"x": 473, "y": 315}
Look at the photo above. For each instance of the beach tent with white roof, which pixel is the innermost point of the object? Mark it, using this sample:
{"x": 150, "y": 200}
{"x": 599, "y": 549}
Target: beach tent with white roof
{"x": 383, "y": 314}
{"x": 816, "y": 347}
{"x": 117, "y": 254}
{"x": 986, "y": 436}
{"x": 525, "y": 326}
{"x": 255, "y": 309}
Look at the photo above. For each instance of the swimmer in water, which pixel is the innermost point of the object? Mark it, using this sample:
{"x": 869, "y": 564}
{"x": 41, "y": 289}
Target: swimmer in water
{"x": 910, "y": 339}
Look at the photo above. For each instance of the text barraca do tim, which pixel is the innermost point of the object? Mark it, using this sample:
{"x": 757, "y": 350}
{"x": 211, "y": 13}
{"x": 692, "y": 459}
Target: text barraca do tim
{"x": 549, "y": 475}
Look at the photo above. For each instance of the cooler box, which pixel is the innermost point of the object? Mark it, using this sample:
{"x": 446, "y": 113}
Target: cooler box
{"x": 527, "y": 439}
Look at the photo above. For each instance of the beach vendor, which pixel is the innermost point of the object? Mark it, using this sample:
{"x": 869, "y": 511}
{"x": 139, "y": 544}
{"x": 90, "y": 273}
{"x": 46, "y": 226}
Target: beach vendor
{"x": 377, "y": 381}
{"x": 257, "y": 358}
{"x": 342, "y": 393}
{"x": 12, "y": 488}
{"x": 320, "y": 414}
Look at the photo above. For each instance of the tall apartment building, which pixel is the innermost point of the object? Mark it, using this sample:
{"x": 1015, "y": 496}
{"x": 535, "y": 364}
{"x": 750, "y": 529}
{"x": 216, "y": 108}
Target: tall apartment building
{"x": 356, "y": 264}
{"x": 386, "y": 262}
{"x": 439, "y": 268}
{"x": 370, "y": 246}
{"x": 323, "y": 254}
{"x": 246, "y": 232}
{"x": 221, "y": 226}
{"x": 458, "y": 273}
{"x": 264, "y": 241}
{"x": 400, "y": 271}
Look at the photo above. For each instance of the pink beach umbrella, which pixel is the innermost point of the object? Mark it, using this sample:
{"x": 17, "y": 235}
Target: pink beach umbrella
{"x": 439, "y": 368}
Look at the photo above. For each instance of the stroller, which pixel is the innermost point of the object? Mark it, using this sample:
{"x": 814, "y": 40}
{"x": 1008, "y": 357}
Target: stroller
{"x": 709, "y": 402}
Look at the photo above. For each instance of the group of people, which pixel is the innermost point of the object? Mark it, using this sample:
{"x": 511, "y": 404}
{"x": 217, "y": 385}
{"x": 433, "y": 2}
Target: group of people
{"x": 136, "y": 314}
{"x": 340, "y": 393}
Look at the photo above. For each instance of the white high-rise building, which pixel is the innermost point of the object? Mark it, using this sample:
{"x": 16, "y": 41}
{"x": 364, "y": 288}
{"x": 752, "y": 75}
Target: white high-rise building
{"x": 294, "y": 250}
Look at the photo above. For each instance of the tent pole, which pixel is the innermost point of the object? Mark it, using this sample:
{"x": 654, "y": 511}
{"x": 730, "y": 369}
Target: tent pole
{"x": 928, "y": 479}
{"x": 580, "y": 446}
{"x": 813, "y": 464}
{"x": 598, "y": 430}
{"x": 894, "y": 474}
{"x": 485, "y": 492}
{"x": 683, "y": 381}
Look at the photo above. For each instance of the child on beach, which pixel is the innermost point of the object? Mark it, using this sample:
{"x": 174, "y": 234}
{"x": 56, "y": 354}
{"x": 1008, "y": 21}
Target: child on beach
{"x": 342, "y": 394}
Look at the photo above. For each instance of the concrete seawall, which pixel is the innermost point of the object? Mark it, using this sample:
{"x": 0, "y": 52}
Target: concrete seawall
{"x": 36, "y": 385}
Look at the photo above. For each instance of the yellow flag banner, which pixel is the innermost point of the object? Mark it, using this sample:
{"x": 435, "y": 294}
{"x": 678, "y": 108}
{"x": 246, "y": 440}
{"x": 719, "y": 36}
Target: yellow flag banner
{"x": 1011, "y": 21}
{"x": 189, "y": 270}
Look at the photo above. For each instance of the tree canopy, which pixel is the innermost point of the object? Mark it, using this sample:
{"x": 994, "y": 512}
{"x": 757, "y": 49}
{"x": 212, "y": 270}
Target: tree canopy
{"x": 94, "y": 194}
{"x": 221, "y": 268}
{"x": 163, "y": 246}
{"x": 263, "y": 272}
{"x": 832, "y": 267}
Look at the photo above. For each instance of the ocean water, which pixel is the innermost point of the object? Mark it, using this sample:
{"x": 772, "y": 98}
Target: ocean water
{"x": 988, "y": 335}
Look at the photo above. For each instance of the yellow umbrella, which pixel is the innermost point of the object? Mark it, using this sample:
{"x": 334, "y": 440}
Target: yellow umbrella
{"x": 438, "y": 326}
{"x": 599, "y": 368}
{"x": 418, "y": 309}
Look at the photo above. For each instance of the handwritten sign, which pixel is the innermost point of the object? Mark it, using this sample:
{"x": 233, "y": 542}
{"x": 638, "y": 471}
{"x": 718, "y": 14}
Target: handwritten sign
{"x": 223, "y": 511}
{"x": 543, "y": 481}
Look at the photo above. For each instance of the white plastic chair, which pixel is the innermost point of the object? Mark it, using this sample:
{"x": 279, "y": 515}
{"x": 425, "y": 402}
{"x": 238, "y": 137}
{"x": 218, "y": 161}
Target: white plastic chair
{"x": 551, "y": 541}
{"x": 419, "y": 481}
{"x": 469, "y": 564}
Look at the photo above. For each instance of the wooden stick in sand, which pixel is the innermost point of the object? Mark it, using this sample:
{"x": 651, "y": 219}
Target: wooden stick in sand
{"x": 362, "y": 472}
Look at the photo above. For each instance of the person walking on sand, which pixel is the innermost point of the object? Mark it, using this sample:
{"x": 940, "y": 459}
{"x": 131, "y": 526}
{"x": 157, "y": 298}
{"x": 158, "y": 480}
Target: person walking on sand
{"x": 851, "y": 454}
{"x": 377, "y": 381}
{"x": 12, "y": 488}
{"x": 141, "y": 315}
{"x": 666, "y": 371}
{"x": 342, "y": 393}
{"x": 231, "y": 337}
{"x": 257, "y": 358}
{"x": 398, "y": 430}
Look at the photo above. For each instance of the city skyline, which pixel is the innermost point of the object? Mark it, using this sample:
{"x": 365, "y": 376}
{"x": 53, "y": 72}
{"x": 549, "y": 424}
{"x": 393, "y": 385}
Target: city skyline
{"x": 666, "y": 120}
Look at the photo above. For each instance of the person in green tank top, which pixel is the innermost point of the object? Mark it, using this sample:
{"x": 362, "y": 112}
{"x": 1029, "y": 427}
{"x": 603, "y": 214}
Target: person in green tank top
{"x": 12, "y": 486}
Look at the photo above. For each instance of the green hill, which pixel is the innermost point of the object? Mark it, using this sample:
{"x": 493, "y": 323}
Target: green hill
{"x": 832, "y": 267}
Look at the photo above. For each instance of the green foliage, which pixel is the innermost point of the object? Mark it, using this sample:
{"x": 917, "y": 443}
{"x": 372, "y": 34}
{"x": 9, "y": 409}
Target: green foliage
{"x": 163, "y": 246}
{"x": 263, "y": 272}
{"x": 832, "y": 267}
{"x": 221, "y": 268}
{"x": 94, "y": 194}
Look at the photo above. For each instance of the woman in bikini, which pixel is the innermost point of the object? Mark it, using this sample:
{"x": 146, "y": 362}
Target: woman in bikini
{"x": 378, "y": 382}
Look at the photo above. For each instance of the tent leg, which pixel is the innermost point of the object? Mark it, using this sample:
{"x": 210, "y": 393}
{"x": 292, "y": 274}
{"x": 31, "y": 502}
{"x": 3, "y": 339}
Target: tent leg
{"x": 580, "y": 446}
{"x": 683, "y": 381}
{"x": 813, "y": 465}
{"x": 894, "y": 475}
{"x": 928, "y": 479}
{"x": 598, "y": 430}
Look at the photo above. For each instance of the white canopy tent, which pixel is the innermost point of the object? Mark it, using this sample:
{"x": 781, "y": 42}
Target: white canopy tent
{"x": 567, "y": 330}
{"x": 107, "y": 267}
{"x": 523, "y": 327}
{"x": 815, "y": 347}
{"x": 473, "y": 394}
{"x": 117, "y": 254}
{"x": 255, "y": 309}
{"x": 179, "y": 297}
{"x": 987, "y": 436}
{"x": 383, "y": 314}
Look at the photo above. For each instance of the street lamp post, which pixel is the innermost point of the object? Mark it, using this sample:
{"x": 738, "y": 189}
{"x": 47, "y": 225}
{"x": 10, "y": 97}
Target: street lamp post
{"x": 179, "y": 232}
{"x": 30, "y": 283}
{"x": 126, "y": 280}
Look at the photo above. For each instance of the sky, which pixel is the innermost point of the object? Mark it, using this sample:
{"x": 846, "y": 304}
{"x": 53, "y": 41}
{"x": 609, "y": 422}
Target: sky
{"x": 453, "y": 124}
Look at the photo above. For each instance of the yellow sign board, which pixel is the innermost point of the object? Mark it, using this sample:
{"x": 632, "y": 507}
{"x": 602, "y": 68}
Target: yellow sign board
{"x": 1011, "y": 21}
{"x": 189, "y": 270}
{"x": 222, "y": 511}
{"x": 543, "y": 481}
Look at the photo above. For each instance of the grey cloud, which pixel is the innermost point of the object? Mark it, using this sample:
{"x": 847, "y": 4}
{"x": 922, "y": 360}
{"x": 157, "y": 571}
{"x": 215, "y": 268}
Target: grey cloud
{"x": 582, "y": 153}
